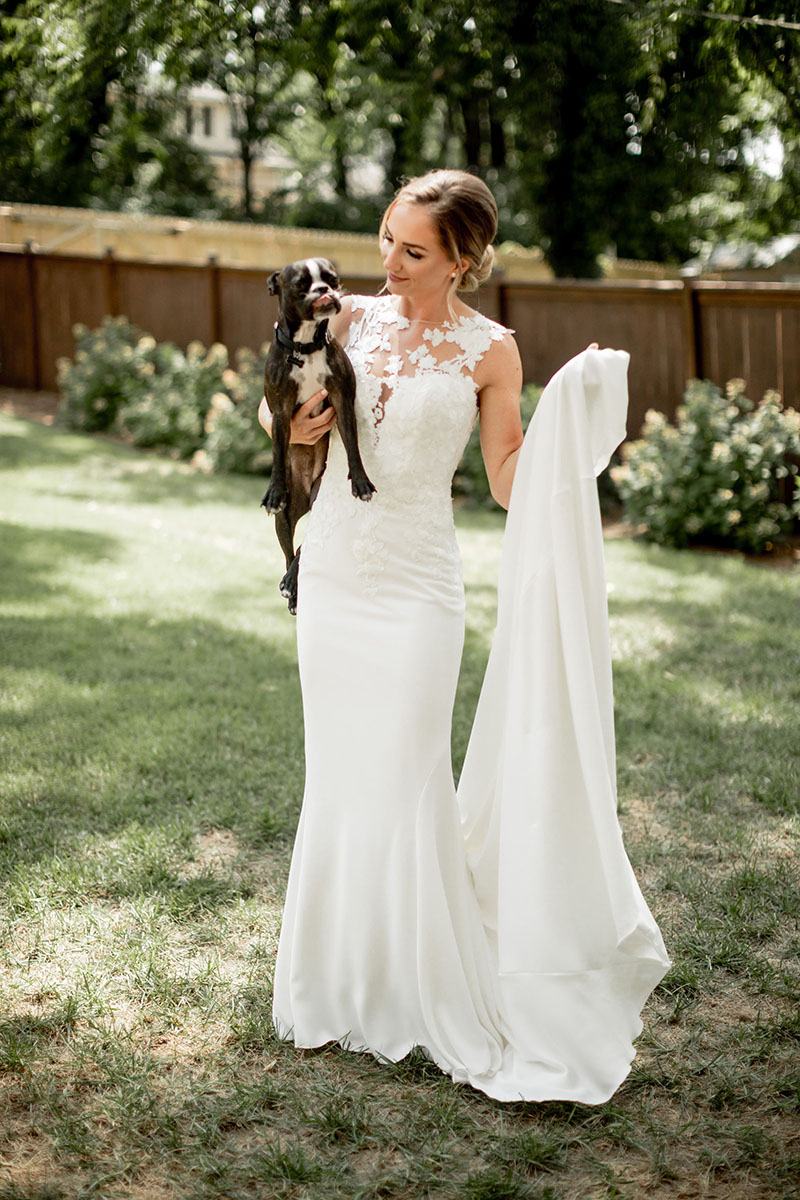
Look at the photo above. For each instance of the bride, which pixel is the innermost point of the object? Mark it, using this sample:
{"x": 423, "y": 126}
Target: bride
{"x": 383, "y": 946}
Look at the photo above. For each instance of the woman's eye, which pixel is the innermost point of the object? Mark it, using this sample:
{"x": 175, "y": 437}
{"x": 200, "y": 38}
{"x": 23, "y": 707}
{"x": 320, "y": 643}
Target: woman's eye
{"x": 413, "y": 255}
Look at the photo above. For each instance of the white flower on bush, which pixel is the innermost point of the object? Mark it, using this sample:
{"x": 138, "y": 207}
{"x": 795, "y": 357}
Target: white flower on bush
{"x": 148, "y": 342}
{"x": 653, "y": 420}
{"x": 201, "y": 461}
{"x": 694, "y": 523}
{"x": 721, "y": 452}
{"x": 733, "y": 516}
{"x": 220, "y": 403}
{"x": 723, "y": 495}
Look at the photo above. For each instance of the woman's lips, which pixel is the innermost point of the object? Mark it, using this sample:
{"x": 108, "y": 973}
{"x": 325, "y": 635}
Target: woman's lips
{"x": 396, "y": 278}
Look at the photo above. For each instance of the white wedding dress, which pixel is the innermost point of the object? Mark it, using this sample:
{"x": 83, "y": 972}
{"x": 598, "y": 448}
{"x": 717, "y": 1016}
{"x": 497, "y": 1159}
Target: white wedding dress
{"x": 390, "y": 932}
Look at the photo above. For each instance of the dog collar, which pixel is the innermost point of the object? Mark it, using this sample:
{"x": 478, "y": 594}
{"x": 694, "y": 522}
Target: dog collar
{"x": 321, "y": 338}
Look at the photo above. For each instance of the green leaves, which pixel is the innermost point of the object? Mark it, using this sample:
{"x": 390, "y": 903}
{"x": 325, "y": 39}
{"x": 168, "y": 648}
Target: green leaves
{"x": 719, "y": 475}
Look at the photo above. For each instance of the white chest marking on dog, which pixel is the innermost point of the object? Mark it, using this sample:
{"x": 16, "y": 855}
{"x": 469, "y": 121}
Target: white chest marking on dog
{"x": 311, "y": 376}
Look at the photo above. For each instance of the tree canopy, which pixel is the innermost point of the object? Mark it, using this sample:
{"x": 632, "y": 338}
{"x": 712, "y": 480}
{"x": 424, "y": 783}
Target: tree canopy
{"x": 595, "y": 123}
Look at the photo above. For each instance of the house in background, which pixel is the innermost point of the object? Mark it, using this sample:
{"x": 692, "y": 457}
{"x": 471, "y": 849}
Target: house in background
{"x": 209, "y": 128}
{"x": 776, "y": 260}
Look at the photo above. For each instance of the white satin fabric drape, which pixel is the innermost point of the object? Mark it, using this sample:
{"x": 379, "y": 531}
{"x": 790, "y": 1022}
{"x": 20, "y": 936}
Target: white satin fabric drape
{"x": 577, "y": 949}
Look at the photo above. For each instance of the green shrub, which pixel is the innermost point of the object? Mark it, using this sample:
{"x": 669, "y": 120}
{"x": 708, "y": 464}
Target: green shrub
{"x": 109, "y": 370}
{"x": 234, "y": 441}
{"x": 721, "y": 475}
{"x": 470, "y": 482}
{"x": 170, "y": 411}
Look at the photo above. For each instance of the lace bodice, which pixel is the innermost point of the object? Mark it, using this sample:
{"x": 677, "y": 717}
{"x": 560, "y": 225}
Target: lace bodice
{"x": 416, "y": 404}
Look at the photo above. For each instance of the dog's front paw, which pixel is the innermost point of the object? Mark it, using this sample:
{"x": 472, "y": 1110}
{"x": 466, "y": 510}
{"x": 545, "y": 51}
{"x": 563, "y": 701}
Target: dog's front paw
{"x": 274, "y": 498}
{"x": 362, "y": 488}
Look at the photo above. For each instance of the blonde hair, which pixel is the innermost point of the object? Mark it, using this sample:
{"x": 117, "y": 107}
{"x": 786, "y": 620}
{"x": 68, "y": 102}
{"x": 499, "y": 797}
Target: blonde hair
{"x": 465, "y": 215}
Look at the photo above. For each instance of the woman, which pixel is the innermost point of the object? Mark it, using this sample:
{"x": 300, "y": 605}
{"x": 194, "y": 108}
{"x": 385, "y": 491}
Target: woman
{"x": 382, "y": 945}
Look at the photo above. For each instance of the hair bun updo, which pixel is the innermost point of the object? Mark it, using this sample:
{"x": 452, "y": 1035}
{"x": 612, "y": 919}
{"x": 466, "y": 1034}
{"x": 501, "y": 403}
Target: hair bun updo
{"x": 465, "y": 215}
{"x": 475, "y": 275}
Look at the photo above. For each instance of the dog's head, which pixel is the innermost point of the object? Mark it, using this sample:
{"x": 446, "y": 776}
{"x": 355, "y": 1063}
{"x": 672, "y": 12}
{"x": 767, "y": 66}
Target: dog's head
{"x": 308, "y": 290}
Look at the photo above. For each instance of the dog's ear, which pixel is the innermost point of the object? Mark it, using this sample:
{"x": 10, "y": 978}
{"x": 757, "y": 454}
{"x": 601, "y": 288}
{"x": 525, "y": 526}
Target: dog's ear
{"x": 273, "y": 283}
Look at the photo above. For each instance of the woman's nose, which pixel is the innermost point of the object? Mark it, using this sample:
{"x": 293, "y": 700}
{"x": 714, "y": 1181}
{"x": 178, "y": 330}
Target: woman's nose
{"x": 389, "y": 255}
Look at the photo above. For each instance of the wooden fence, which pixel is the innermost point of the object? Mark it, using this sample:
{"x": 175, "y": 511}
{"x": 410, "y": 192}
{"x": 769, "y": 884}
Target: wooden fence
{"x": 673, "y": 329}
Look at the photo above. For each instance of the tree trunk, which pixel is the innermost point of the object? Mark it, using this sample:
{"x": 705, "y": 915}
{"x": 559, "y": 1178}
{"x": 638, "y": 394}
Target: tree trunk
{"x": 247, "y": 163}
{"x": 472, "y": 130}
{"x": 497, "y": 136}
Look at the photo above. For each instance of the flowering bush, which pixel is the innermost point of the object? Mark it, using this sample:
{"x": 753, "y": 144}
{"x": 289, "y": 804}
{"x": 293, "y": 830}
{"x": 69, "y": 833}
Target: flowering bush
{"x": 109, "y": 369}
{"x": 722, "y": 474}
{"x": 234, "y": 439}
{"x": 169, "y": 412}
{"x": 190, "y": 403}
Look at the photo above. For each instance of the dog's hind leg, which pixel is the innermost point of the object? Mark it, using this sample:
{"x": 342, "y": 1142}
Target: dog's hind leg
{"x": 284, "y": 528}
{"x": 285, "y": 525}
{"x": 288, "y": 585}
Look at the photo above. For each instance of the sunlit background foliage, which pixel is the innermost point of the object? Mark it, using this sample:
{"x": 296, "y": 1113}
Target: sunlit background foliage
{"x": 650, "y": 127}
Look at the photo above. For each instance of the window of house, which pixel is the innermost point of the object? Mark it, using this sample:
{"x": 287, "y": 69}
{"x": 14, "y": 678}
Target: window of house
{"x": 189, "y": 119}
{"x": 207, "y": 120}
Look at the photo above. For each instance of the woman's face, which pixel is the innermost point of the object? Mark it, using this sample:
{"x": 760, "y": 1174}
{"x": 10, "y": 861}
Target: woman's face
{"x": 416, "y": 265}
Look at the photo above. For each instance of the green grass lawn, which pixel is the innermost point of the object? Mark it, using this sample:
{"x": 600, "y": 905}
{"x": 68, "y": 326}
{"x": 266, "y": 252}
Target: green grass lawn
{"x": 151, "y": 778}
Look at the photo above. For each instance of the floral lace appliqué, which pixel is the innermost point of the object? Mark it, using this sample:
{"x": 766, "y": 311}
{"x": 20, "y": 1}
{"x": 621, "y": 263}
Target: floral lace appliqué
{"x": 415, "y": 408}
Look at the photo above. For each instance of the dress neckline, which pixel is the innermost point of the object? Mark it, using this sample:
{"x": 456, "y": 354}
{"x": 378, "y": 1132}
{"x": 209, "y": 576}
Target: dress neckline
{"x": 451, "y": 324}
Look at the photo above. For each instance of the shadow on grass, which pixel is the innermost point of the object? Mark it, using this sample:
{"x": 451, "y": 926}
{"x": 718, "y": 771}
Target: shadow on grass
{"x": 123, "y": 737}
{"x": 139, "y": 476}
{"x": 712, "y": 712}
{"x": 27, "y": 556}
{"x": 32, "y": 445}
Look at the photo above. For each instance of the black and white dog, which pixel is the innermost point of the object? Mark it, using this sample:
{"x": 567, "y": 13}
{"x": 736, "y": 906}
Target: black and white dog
{"x": 303, "y": 358}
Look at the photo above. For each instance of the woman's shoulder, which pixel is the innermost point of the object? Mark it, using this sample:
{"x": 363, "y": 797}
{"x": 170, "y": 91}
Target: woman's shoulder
{"x": 500, "y": 358}
{"x": 493, "y": 328}
{"x": 490, "y": 344}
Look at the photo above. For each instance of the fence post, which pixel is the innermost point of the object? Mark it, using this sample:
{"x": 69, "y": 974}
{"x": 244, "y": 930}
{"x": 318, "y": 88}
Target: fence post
{"x": 214, "y": 298}
{"x": 693, "y": 331}
{"x": 33, "y": 308}
{"x": 112, "y": 283}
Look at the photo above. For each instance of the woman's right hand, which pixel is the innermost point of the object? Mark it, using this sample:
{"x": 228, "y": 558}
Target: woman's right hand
{"x": 305, "y": 429}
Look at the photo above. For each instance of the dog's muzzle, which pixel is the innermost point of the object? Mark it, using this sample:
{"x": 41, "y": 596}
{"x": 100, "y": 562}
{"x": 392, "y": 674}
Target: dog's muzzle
{"x": 327, "y": 302}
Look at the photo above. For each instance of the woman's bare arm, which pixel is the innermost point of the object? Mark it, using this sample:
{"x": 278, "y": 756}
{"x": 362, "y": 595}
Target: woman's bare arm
{"x": 500, "y": 421}
{"x": 501, "y": 426}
